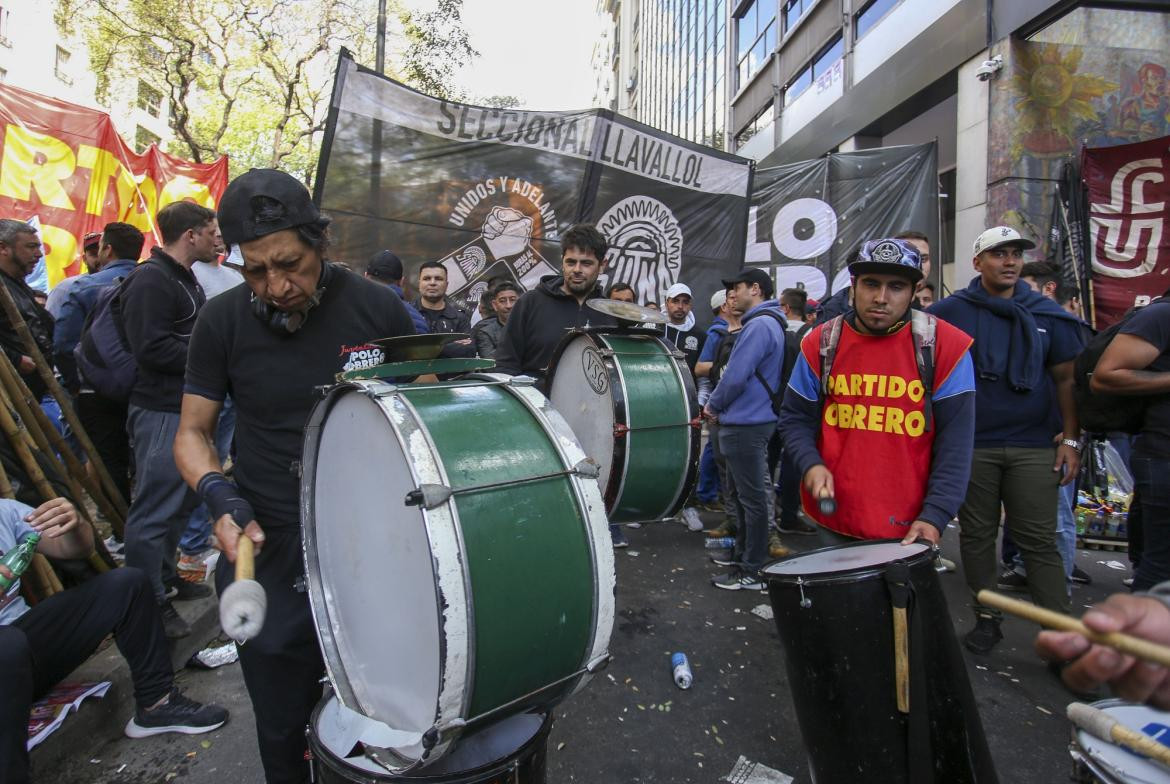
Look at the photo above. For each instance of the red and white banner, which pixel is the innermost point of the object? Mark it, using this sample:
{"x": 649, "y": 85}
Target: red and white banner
{"x": 66, "y": 167}
{"x": 1129, "y": 224}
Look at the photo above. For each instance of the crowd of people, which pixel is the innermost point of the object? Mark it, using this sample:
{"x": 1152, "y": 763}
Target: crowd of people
{"x": 883, "y": 411}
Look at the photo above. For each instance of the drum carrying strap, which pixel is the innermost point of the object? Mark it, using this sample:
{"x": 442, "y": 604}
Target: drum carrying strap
{"x": 919, "y": 755}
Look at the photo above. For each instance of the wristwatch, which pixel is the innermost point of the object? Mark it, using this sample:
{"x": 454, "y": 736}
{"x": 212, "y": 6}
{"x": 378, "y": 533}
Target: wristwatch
{"x": 1071, "y": 442}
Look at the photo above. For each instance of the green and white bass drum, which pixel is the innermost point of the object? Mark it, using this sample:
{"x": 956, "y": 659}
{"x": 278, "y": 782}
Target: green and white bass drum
{"x": 457, "y": 556}
{"x": 629, "y": 398}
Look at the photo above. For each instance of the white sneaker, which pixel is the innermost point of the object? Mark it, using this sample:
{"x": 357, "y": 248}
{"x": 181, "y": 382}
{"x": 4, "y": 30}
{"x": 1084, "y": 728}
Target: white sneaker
{"x": 690, "y": 516}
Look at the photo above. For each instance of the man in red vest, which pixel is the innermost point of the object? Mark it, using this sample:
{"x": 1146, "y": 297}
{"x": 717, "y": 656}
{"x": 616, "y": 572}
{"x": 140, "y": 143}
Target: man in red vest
{"x": 880, "y": 409}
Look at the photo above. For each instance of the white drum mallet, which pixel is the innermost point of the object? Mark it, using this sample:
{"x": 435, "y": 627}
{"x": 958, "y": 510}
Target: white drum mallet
{"x": 244, "y": 603}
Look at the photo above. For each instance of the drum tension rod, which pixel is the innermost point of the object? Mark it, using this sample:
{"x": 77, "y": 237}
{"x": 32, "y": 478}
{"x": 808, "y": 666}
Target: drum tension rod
{"x": 435, "y": 733}
{"x": 620, "y": 430}
{"x": 429, "y": 496}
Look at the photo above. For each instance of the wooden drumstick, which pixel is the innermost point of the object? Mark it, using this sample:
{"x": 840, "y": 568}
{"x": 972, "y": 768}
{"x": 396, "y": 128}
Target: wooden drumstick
{"x": 1134, "y": 646}
{"x": 244, "y": 603}
{"x": 898, "y": 582}
{"x": 1101, "y": 725}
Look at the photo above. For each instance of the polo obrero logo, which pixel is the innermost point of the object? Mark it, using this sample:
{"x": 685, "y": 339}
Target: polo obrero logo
{"x": 645, "y": 246}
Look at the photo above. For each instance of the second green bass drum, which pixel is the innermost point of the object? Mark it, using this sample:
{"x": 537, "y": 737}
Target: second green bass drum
{"x": 629, "y": 398}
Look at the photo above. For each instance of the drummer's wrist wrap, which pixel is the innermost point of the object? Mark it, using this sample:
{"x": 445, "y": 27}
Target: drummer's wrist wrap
{"x": 223, "y": 498}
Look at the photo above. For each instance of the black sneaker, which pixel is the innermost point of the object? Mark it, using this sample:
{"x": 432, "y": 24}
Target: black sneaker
{"x": 985, "y": 636}
{"x": 1080, "y": 576}
{"x": 184, "y": 590}
{"x": 796, "y": 526}
{"x": 1012, "y": 581}
{"x": 174, "y": 626}
{"x": 178, "y": 714}
{"x": 738, "y": 581}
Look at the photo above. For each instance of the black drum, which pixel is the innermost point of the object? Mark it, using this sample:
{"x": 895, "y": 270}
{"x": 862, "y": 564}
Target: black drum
{"x": 836, "y": 611}
{"x": 511, "y": 751}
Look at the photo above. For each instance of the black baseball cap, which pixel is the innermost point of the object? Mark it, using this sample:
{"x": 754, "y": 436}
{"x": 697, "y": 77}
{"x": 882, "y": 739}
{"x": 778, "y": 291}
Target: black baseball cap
{"x": 751, "y": 275}
{"x": 262, "y": 202}
{"x": 384, "y": 265}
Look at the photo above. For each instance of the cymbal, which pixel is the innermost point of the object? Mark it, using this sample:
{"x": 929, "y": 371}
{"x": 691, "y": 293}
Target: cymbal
{"x": 408, "y": 348}
{"x": 626, "y": 311}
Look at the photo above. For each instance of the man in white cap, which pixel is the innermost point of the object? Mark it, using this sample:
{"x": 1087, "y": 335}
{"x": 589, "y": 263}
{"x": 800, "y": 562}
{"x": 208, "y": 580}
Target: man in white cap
{"x": 1024, "y": 349}
{"x": 681, "y": 330}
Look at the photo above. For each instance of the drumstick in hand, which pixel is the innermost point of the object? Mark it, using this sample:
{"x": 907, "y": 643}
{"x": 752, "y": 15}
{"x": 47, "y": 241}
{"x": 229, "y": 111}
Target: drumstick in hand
{"x": 1101, "y": 725}
{"x": 244, "y": 603}
{"x": 1128, "y": 644}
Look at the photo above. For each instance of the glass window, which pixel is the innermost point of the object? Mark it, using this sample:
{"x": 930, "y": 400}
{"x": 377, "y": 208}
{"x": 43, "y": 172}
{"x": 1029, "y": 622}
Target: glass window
{"x": 761, "y": 122}
{"x": 144, "y": 138}
{"x": 801, "y": 82}
{"x": 825, "y": 60}
{"x": 149, "y": 99}
{"x": 793, "y": 10}
{"x": 757, "y": 38}
{"x": 872, "y": 14}
{"x": 747, "y": 30}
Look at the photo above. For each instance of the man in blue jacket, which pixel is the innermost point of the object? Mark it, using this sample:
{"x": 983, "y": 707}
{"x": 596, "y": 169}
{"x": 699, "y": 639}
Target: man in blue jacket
{"x": 742, "y": 406}
{"x": 1024, "y": 349}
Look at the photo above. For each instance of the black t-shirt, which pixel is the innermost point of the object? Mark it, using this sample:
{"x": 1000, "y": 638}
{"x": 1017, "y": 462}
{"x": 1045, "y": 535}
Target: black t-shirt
{"x": 689, "y": 343}
{"x": 1152, "y": 324}
{"x": 271, "y": 377}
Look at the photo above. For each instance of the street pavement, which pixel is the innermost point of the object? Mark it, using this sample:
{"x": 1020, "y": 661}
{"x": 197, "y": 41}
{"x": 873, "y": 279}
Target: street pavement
{"x": 632, "y": 724}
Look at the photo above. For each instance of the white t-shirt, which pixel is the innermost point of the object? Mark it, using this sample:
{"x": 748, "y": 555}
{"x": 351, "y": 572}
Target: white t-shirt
{"x": 215, "y": 278}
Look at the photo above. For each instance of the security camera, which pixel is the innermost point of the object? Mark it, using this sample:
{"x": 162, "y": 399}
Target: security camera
{"x": 989, "y": 68}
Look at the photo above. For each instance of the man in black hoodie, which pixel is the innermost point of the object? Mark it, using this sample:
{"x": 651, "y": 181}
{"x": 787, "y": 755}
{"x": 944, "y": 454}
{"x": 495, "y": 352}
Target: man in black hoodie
{"x": 159, "y": 302}
{"x": 19, "y": 252}
{"x": 541, "y": 317}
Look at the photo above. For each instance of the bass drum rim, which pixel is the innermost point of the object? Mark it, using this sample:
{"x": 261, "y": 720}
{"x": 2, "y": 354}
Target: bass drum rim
{"x": 324, "y": 756}
{"x": 841, "y": 576}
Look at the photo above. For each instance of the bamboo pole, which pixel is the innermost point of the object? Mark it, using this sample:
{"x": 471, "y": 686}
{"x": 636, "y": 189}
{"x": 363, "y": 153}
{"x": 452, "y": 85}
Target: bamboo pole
{"x": 31, "y": 411}
{"x": 62, "y": 397}
{"x": 32, "y": 467}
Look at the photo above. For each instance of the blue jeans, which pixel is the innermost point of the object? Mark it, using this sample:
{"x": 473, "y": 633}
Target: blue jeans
{"x": 745, "y": 449}
{"x": 1151, "y": 481}
{"x": 162, "y": 501}
{"x": 198, "y": 532}
{"x": 708, "y": 490}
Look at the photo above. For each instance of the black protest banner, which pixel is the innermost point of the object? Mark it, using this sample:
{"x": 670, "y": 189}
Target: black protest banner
{"x": 808, "y": 218}
{"x": 488, "y": 192}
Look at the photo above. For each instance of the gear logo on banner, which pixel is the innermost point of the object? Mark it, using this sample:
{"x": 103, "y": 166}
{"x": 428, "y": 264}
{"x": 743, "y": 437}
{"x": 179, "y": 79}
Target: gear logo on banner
{"x": 504, "y": 247}
{"x": 645, "y": 246}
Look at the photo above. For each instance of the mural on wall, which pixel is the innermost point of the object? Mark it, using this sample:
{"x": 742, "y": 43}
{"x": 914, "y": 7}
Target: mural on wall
{"x": 1049, "y": 100}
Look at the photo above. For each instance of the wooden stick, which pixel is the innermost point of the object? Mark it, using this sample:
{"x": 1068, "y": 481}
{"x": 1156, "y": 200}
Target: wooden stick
{"x": 901, "y": 660}
{"x": 17, "y": 439}
{"x": 62, "y": 397}
{"x": 23, "y": 398}
{"x": 1134, "y": 646}
{"x": 245, "y": 559}
{"x": 1100, "y": 724}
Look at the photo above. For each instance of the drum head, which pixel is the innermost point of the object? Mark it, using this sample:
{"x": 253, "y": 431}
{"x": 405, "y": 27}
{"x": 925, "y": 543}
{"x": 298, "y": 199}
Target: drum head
{"x": 343, "y": 732}
{"x": 369, "y": 555}
{"x": 1109, "y": 759}
{"x": 580, "y": 390}
{"x": 847, "y": 558}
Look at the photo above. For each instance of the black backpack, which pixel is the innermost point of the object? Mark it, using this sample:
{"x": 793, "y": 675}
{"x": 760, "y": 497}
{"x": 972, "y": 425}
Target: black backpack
{"x": 104, "y": 359}
{"x": 791, "y": 352}
{"x": 722, "y": 354}
{"x": 1101, "y": 412}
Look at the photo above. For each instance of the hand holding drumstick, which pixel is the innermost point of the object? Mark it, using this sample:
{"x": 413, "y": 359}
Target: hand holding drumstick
{"x": 1094, "y": 664}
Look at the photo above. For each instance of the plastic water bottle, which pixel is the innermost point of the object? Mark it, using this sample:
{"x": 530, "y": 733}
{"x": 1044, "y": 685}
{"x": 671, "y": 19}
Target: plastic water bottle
{"x": 682, "y": 671}
{"x": 720, "y": 543}
{"x": 17, "y": 560}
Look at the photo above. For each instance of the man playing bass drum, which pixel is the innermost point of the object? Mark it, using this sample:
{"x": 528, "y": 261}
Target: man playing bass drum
{"x": 299, "y": 321}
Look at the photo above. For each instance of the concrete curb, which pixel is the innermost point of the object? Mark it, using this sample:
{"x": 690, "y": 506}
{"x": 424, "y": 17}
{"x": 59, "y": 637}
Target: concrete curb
{"x": 97, "y": 721}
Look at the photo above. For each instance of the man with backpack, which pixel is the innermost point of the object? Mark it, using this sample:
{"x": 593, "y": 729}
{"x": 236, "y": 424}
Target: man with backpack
{"x": 880, "y": 409}
{"x": 158, "y": 306}
{"x": 1135, "y": 367}
{"x": 104, "y": 418}
{"x": 744, "y": 409}
{"x": 1024, "y": 349}
{"x": 717, "y": 347}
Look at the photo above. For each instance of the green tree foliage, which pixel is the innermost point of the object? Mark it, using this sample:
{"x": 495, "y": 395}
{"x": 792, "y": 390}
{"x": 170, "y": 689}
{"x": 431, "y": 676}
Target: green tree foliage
{"x": 252, "y": 78}
{"x": 437, "y": 46}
